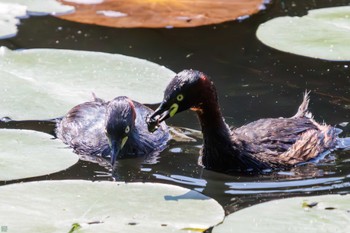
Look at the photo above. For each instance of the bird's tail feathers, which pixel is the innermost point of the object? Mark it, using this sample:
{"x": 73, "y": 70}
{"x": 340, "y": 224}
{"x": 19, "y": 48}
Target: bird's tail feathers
{"x": 303, "y": 108}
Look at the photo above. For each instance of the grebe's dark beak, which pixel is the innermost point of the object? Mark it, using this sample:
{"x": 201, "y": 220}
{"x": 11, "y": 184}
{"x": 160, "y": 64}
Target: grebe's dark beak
{"x": 116, "y": 147}
{"x": 160, "y": 114}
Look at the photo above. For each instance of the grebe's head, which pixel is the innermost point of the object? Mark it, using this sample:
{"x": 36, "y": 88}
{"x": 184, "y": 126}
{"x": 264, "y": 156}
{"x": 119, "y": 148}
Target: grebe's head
{"x": 187, "y": 90}
{"x": 119, "y": 123}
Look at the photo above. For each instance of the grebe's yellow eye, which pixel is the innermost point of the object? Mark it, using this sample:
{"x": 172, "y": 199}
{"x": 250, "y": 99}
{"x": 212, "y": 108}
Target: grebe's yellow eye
{"x": 127, "y": 129}
{"x": 180, "y": 97}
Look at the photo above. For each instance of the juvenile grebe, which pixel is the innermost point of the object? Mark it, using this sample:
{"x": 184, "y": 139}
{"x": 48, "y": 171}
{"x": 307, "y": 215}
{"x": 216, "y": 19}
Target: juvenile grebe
{"x": 116, "y": 128}
{"x": 263, "y": 144}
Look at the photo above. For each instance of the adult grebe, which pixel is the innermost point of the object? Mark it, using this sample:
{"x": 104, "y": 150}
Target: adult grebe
{"x": 263, "y": 144}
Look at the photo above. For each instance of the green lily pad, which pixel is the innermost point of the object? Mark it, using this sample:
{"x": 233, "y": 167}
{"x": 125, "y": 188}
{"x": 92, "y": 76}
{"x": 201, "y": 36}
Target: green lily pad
{"x": 27, "y": 154}
{"x": 46, "y": 83}
{"x": 317, "y": 214}
{"x": 85, "y": 206}
{"x": 323, "y": 33}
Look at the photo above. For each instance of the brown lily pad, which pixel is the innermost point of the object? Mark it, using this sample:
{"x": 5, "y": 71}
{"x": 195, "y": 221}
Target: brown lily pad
{"x": 161, "y": 13}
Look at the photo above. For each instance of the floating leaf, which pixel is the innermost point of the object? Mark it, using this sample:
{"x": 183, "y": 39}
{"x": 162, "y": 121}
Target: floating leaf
{"x": 290, "y": 215}
{"x": 8, "y": 19}
{"x": 29, "y": 153}
{"x": 11, "y": 10}
{"x": 323, "y": 33}
{"x": 46, "y": 83}
{"x": 42, "y": 7}
{"x": 162, "y": 13}
{"x": 84, "y": 206}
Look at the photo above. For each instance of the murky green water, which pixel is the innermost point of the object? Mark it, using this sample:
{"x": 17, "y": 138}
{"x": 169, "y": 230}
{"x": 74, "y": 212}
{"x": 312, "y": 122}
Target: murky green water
{"x": 253, "y": 82}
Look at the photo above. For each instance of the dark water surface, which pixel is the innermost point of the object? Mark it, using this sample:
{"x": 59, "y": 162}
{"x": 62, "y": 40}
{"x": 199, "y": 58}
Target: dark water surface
{"x": 253, "y": 81}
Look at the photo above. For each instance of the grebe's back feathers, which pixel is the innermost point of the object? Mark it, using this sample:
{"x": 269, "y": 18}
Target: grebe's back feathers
{"x": 293, "y": 140}
{"x": 80, "y": 123}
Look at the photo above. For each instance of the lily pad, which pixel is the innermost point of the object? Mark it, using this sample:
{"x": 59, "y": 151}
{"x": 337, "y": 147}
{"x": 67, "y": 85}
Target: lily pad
{"x": 85, "y": 206}
{"x": 42, "y": 7}
{"x": 12, "y": 10}
{"x": 27, "y": 154}
{"x": 323, "y": 33}
{"x": 160, "y": 13}
{"x": 9, "y": 14}
{"x": 317, "y": 214}
{"x": 46, "y": 83}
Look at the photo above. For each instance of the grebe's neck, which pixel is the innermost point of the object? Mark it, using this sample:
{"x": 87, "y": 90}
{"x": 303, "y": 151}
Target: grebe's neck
{"x": 209, "y": 113}
{"x": 220, "y": 152}
{"x": 218, "y": 149}
{"x": 212, "y": 122}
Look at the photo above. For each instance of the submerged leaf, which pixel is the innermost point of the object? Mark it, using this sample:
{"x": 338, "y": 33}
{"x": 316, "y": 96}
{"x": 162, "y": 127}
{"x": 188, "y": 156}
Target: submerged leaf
{"x": 29, "y": 153}
{"x": 309, "y": 205}
{"x": 194, "y": 229}
{"x": 46, "y": 83}
{"x": 162, "y": 13}
{"x": 286, "y": 216}
{"x": 323, "y": 33}
{"x": 85, "y": 206}
{"x": 75, "y": 227}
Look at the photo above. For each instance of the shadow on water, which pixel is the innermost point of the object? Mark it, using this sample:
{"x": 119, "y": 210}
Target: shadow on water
{"x": 253, "y": 82}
